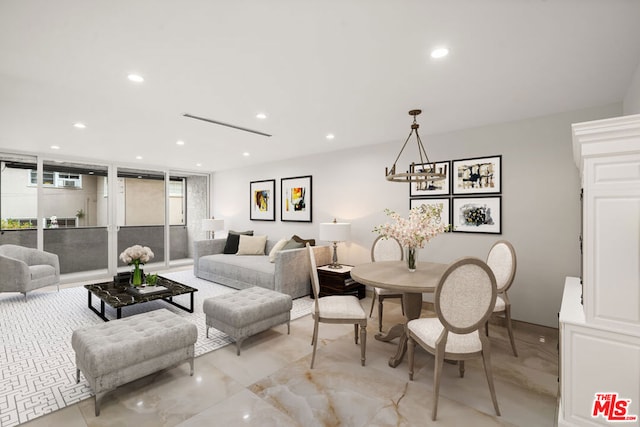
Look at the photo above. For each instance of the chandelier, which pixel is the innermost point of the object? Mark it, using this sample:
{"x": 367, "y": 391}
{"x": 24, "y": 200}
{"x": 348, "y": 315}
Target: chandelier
{"x": 418, "y": 172}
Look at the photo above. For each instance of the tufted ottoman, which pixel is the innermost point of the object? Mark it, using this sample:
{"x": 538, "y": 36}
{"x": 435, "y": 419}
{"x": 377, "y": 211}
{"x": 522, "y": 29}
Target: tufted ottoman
{"x": 117, "y": 352}
{"x": 247, "y": 312}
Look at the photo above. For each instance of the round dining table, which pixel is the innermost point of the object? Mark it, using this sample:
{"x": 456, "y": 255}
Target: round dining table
{"x": 395, "y": 276}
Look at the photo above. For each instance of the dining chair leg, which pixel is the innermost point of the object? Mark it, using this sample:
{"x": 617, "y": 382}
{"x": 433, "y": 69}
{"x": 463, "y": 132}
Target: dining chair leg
{"x": 411, "y": 348}
{"x": 363, "y": 343}
{"x": 315, "y": 342}
{"x": 507, "y": 314}
{"x": 461, "y": 368}
{"x": 355, "y": 332}
{"x": 437, "y": 371}
{"x": 373, "y": 301}
{"x": 486, "y": 360}
{"x": 315, "y": 328}
{"x": 486, "y": 327}
{"x": 380, "y": 307}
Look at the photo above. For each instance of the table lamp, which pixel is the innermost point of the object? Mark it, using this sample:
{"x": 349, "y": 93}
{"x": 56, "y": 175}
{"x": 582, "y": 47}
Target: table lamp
{"x": 212, "y": 225}
{"x": 335, "y": 232}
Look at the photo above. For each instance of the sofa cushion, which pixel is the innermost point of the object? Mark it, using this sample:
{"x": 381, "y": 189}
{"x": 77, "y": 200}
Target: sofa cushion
{"x": 233, "y": 239}
{"x": 251, "y": 245}
{"x": 312, "y": 242}
{"x": 292, "y": 244}
{"x": 256, "y": 270}
{"x": 276, "y": 248}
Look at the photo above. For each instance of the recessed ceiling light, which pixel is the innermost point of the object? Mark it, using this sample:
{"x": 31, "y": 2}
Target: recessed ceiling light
{"x": 246, "y": 154}
{"x": 261, "y": 116}
{"x": 135, "y": 78}
{"x": 198, "y": 164}
{"x": 440, "y": 52}
{"x": 55, "y": 147}
{"x": 138, "y": 157}
{"x": 180, "y": 142}
{"x": 330, "y": 136}
{"x": 79, "y": 125}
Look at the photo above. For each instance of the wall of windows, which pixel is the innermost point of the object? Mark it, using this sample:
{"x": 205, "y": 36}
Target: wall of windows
{"x": 88, "y": 223}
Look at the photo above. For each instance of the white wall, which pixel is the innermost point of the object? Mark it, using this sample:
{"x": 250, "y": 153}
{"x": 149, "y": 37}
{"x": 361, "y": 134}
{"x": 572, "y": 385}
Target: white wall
{"x": 631, "y": 104}
{"x": 540, "y": 200}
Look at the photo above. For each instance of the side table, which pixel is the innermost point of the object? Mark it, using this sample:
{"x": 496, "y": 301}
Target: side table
{"x": 338, "y": 281}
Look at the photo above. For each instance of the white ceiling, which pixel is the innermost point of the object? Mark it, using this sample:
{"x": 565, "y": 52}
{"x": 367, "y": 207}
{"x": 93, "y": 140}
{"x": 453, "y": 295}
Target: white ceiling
{"x": 348, "y": 67}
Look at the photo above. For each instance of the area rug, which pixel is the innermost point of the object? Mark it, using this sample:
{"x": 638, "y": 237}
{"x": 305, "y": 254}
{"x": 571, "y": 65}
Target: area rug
{"x": 37, "y": 363}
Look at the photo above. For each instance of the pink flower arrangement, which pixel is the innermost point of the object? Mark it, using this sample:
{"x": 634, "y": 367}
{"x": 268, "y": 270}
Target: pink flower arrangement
{"x": 422, "y": 225}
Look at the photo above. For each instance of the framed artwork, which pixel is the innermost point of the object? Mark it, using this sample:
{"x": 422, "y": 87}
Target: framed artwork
{"x": 431, "y": 188}
{"x": 296, "y": 199}
{"x": 477, "y": 214}
{"x": 263, "y": 200}
{"x": 445, "y": 203}
{"x": 482, "y": 175}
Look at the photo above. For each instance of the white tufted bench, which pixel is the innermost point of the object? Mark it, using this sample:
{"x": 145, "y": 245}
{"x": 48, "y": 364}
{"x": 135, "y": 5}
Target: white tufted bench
{"x": 120, "y": 351}
{"x": 247, "y": 312}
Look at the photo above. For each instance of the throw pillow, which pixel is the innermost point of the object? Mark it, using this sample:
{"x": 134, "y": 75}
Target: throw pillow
{"x": 292, "y": 244}
{"x": 298, "y": 239}
{"x": 233, "y": 239}
{"x": 251, "y": 245}
{"x": 276, "y": 248}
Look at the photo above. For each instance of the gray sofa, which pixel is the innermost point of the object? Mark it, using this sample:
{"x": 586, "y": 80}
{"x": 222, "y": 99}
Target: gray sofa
{"x": 25, "y": 269}
{"x": 289, "y": 274}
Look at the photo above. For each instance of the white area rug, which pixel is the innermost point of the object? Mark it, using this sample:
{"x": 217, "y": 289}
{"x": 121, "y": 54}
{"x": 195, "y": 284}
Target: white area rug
{"x": 37, "y": 363}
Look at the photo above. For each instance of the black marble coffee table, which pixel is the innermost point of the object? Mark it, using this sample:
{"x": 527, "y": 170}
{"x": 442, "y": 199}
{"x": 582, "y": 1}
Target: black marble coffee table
{"x": 118, "y": 295}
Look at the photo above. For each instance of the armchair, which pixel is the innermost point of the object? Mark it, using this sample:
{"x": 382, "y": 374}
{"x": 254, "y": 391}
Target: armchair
{"x": 25, "y": 269}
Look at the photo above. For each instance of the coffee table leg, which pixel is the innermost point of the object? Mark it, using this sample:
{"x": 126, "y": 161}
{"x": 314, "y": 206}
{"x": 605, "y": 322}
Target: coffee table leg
{"x": 118, "y": 313}
{"x": 412, "y": 308}
{"x": 92, "y": 308}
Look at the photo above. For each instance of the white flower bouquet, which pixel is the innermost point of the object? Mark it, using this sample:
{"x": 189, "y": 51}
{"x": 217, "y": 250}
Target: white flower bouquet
{"x": 422, "y": 225}
{"x": 137, "y": 255}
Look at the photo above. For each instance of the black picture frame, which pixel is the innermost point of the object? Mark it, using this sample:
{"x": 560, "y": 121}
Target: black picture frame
{"x": 296, "y": 201}
{"x": 477, "y": 215}
{"x": 432, "y": 188}
{"x": 445, "y": 216}
{"x": 262, "y": 200}
{"x": 478, "y": 175}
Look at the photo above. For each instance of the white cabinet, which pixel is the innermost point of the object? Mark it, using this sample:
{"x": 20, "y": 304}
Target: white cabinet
{"x": 600, "y": 339}
{"x": 607, "y": 152}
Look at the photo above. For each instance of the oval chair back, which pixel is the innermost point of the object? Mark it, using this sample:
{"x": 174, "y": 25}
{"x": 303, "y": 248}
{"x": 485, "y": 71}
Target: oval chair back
{"x": 386, "y": 249}
{"x": 466, "y": 295}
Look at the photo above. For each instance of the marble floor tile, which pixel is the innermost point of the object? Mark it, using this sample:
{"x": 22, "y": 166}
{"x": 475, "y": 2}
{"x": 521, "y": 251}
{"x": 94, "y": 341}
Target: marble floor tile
{"x": 270, "y": 384}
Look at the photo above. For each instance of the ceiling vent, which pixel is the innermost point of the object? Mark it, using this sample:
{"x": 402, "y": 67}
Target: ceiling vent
{"x": 216, "y": 122}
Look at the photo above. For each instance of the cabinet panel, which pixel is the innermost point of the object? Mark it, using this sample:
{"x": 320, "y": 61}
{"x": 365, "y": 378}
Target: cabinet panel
{"x": 616, "y": 283}
{"x": 598, "y": 361}
{"x": 617, "y": 173}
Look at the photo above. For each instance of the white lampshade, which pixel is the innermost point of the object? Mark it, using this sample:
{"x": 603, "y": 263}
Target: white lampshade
{"x": 335, "y": 231}
{"x": 210, "y": 224}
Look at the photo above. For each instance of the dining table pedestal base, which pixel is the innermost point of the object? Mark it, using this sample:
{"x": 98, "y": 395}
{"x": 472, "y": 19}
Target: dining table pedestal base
{"x": 412, "y": 309}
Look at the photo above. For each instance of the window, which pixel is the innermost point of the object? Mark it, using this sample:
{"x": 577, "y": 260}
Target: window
{"x": 57, "y": 179}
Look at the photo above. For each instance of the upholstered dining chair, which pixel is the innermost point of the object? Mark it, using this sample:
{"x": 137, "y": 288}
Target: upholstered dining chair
{"x": 502, "y": 261}
{"x": 385, "y": 249}
{"x": 345, "y": 309}
{"x": 464, "y": 300}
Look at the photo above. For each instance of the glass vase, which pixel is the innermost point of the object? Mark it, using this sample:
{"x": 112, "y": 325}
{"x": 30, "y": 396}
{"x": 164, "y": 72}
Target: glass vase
{"x": 411, "y": 257}
{"x": 136, "y": 276}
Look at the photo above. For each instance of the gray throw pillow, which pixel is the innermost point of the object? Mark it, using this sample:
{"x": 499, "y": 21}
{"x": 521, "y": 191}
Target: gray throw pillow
{"x": 292, "y": 244}
{"x": 233, "y": 239}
